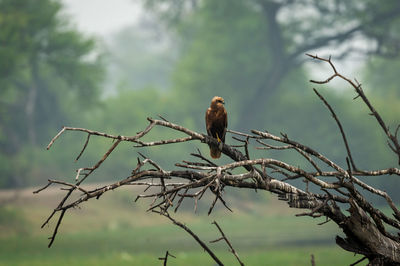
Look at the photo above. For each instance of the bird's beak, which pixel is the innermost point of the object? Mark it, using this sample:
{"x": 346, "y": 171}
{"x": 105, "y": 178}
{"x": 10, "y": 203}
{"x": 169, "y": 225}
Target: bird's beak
{"x": 223, "y": 102}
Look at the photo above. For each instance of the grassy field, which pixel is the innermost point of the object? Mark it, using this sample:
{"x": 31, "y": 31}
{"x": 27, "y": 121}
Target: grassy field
{"x": 116, "y": 231}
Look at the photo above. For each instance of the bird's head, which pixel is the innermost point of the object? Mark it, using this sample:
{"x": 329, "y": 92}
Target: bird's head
{"x": 217, "y": 101}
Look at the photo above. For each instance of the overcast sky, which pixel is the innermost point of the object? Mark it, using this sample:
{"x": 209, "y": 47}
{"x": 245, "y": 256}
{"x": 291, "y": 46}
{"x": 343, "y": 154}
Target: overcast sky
{"x": 102, "y": 17}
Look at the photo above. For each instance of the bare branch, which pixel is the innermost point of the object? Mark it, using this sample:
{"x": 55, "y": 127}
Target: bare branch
{"x": 165, "y": 258}
{"x": 227, "y": 242}
{"x": 198, "y": 240}
{"x": 162, "y": 142}
{"x": 364, "y": 225}
{"x": 340, "y": 127}
{"x": 302, "y": 147}
{"x": 84, "y": 147}
{"x": 312, "y": 260}
{"x": 357, "y": 87}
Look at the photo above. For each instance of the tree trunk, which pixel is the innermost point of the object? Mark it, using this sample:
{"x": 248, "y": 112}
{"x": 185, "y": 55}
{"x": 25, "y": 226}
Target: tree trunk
{"x": 280, "y": 66}
{"x": 364, "y": 237}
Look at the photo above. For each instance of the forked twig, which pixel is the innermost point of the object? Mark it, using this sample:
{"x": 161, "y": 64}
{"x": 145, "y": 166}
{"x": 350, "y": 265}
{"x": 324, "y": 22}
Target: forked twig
{"x": 227, "y": 242}
{"x": 165, "y": 258}
{"x": 190, "y": 232}
{"x": 357, "y": 87}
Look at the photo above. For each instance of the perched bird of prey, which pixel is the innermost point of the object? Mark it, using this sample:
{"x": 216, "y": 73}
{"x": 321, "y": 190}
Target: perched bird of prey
{"x": 216, "y": 123}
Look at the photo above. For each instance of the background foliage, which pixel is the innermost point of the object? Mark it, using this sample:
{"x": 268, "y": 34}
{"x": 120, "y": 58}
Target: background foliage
{"x": 183, "y": 53}
{"x": 179, "y": 55}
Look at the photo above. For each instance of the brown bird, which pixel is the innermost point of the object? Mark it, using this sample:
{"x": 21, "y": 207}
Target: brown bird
{"x": 216, "y": 124}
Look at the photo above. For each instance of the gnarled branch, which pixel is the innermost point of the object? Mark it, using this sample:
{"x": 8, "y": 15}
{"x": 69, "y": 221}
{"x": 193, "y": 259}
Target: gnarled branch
{"x": 337, "y": 186}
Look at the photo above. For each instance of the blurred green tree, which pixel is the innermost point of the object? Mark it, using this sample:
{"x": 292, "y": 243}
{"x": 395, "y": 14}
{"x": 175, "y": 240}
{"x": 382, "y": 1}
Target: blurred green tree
{"x": 48, "y": 71}
{"x": 251, "y": 52}
{"x": 272, "y": 36}
{"x": 140, "y": 56}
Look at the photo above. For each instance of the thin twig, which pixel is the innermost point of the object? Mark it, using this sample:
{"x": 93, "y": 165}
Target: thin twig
{"x": 84, "y": 147}
{"x": 312, "y": 260}
{"x": 359, "y": 261}
{"x": 340, "y": 128}
{"x": 227, "y": 242}
{"x": 357, "y": 87}
{"x": 165, "y": 258}
{"x": 198, "y": 240}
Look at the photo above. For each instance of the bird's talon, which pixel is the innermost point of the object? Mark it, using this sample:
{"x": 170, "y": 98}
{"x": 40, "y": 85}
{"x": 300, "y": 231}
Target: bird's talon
{"x": 219, "y": 140}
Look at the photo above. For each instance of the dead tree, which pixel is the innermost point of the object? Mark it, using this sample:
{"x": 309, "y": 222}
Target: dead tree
{"x": 339, "y": 188}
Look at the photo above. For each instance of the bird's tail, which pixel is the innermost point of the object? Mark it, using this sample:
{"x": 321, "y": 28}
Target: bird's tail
{"x": 215, "y": 152}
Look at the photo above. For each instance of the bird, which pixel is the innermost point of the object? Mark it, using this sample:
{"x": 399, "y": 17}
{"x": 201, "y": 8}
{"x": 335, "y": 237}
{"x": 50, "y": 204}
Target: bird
{"x": 216, "y": 124}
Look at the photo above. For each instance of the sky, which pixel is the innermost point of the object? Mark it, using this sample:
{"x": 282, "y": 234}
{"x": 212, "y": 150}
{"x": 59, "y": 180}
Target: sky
{"x": 102, "y": 17}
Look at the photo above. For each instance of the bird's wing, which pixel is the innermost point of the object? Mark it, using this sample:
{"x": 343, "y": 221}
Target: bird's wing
{"x": 225, "y": 123}
{"x": 208, "y": 122}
